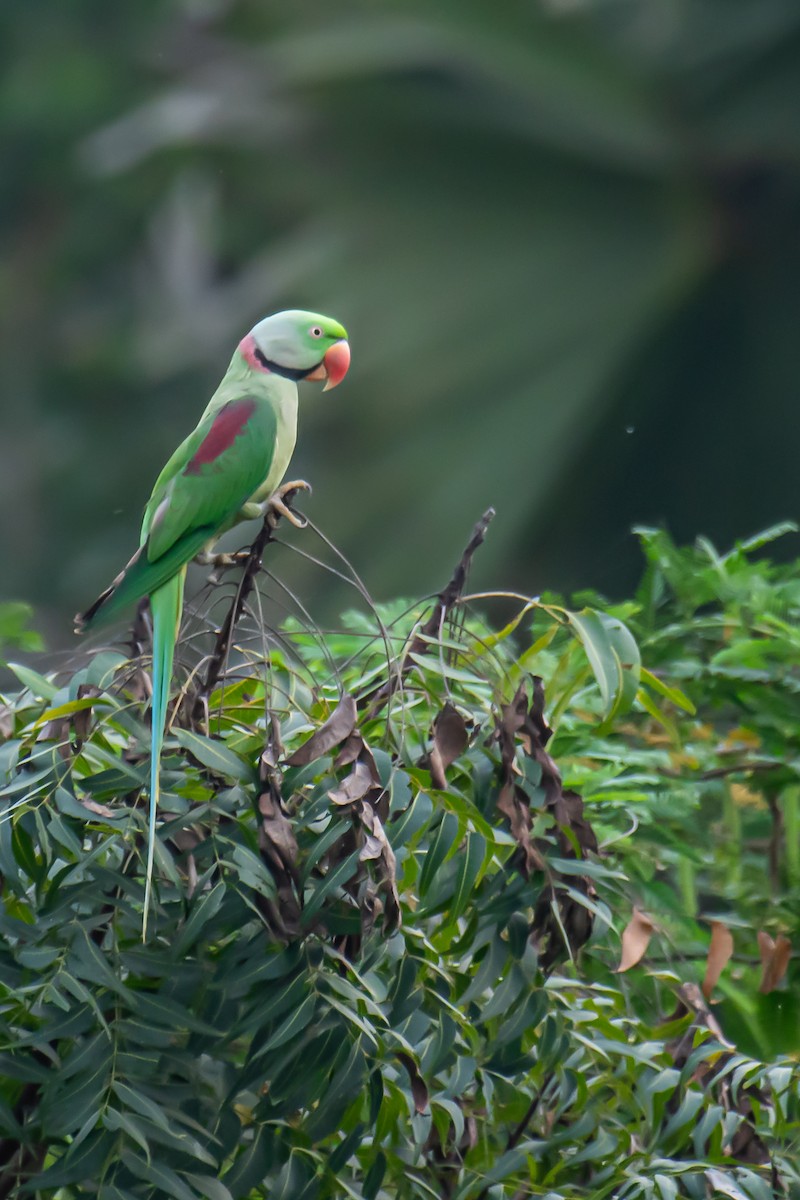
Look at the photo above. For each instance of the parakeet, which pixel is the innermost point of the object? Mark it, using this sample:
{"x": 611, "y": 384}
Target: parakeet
{"x": 227, "y": 470}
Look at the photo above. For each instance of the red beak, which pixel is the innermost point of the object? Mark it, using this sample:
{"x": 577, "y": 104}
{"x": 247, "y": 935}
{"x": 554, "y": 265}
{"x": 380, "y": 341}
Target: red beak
{"x": 336, "y": 362}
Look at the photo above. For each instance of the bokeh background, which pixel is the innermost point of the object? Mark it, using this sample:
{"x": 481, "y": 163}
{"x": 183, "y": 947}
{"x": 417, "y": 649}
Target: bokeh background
{"x": 564, "y": 236}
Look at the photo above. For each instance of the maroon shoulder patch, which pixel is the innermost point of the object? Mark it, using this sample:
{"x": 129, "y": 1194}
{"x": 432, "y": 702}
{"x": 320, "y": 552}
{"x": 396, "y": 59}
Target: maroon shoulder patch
{"x": 228, "y": 424}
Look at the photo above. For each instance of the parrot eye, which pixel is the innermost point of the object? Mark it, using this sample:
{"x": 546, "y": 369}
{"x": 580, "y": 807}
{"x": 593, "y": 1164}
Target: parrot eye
{"x": 315, "y": 331}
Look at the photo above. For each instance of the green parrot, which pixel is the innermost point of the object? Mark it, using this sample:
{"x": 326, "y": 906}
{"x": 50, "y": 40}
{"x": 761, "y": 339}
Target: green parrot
{"x": 228, "y": 470}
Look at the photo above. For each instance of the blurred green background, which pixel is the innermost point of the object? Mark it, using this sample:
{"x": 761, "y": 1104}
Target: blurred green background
{"x": 564, "y": 236}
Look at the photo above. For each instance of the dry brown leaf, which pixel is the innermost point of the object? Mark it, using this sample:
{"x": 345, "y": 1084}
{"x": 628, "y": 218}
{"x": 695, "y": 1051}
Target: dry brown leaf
{"x": 82, "y": 719}
{"x": 372, "y": 848}
{"x": 354, "y": 786}
{"x": 775, "y": 957}
{"x": 562, "y": 922}
{"x": 559, "y": 913}
{"x": 419, "y": 1089}
{"x": 691, "y": 1000}
{"x": 268, "y": 762}
{"x": 278, "y": 829}
{"x": 377, "y": 846}
{"x": 100, "y": 809}
{"x": 352, "y": 749}
{"x": 187, "y": 841}
{"x": 719, "y": 952}
{"x": 450, "y": 739}
{"x": 635, "y": 940}
{"x": 6, "y": 722}
{"x": 57, "y": 731}
{"x": 337, "y": 729}
{"x": 513, "y": 803}
{"x": 567, "y": 808}
{"x": 278, "y": 847}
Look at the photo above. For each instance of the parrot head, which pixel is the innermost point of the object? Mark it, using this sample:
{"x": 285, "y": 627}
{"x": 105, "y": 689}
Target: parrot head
{"x": 299, "y": 345}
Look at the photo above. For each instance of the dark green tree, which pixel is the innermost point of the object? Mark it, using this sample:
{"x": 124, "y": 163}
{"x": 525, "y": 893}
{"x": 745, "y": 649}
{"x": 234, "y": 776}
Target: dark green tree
{"x": 384, "y": 958}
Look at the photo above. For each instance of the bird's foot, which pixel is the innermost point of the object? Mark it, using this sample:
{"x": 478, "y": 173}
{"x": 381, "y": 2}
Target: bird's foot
{"x": 220, "y": 562}
{"x": 277, "y": 506}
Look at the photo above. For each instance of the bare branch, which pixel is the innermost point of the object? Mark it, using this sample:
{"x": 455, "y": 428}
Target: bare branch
{"x": 375, "y": 699}
{"x": 219, "y": 655}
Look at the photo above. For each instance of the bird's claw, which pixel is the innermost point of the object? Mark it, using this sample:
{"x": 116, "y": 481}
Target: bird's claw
{"x": 220, "y": 562}
{"x": 276, "y": 507}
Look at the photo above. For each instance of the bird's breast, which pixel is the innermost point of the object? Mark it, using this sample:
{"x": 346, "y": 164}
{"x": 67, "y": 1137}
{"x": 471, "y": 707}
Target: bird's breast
{"x": 285, "y": 405}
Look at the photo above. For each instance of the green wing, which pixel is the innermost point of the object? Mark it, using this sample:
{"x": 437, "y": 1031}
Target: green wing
{"x": 201, "y": 489}
{"x": 212, "y": 474}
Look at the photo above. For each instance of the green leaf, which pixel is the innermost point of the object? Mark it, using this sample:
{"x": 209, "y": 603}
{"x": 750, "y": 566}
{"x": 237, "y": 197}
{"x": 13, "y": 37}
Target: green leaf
{"x": 613, "y": 656}
{"x": 104, "y": 666}
{"x": 161, "y": 1011}
{"x": 346, "y": 1149}
{"x": 491, "y": 640}
{"x": 668, "y": 691}
{"x": 14, "y": 631}
{"x": 67, "y": 804}
{"x": 70, "y": 708}
{"x": 84, "y": 1162}
{"x": 209, "y": 1186}
{"x": 253, "y": 871}
{"x": 470, "y": 862}
{"x": 335, "y": 878}
{"x": 9, "y": 1125}
{"x": 159, "y": 1174}
{"x": 110, "y": 1191}
{"x": 274, "y": 1004}
{"x": 215, "y": 755}
{"x": 88, "y": 963}
{"x": 92, "y": 1054}
{"x": 203, "y": 910}
{"x": 649, "y": 705}
{"x": 686, "y": 1112}
{"x": 251, "y": 1163}
{"x": 438, "y": 850}
{"x": 43, "y": 689}
{"x": 294, "y": 1024}
{"x": 64, "y": 1110}
{"x": 115, "y": 1120}
{"x": 724, "y": 1184}
{"x": 140, "y": 1104}
{"x": 354, "y": 1018}
{"x": 770, "y": 534}
{"x": 293, "y": 1179}
{"x": 374, "y": 1177}
{"x": 261, "y": 968}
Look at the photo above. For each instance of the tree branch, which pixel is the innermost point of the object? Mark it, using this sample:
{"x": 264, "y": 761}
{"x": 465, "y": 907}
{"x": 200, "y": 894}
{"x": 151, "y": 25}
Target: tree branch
{"x": 375, "y": 699}
{"x": 247, "y": 582}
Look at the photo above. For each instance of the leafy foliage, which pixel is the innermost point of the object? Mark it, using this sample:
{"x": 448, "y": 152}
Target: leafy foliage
{"x": 390, "y": 903}
{"x": 15, "y": 630}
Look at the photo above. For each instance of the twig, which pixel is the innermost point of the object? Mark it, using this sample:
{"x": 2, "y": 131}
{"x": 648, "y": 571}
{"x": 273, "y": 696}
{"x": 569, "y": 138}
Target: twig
{"x": 756, "y": 764}
{"x": 20, "y": 1160}
{"x": 516, "y": 1133}
{"x": 375, "y": 699}
{"x": 219, "y": 655}
{"x": 530, "y": 1113}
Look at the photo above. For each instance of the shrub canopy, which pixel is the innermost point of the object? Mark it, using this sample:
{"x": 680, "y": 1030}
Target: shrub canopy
{"x": 407, "y": 943}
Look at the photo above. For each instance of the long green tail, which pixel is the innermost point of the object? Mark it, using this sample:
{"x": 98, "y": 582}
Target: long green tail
{"x": 165, "y": 606}
{"x": 143, "y": 578}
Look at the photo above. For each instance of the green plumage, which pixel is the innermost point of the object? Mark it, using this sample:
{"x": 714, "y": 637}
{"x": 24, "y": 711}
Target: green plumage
{"x": 236, "y": 456}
